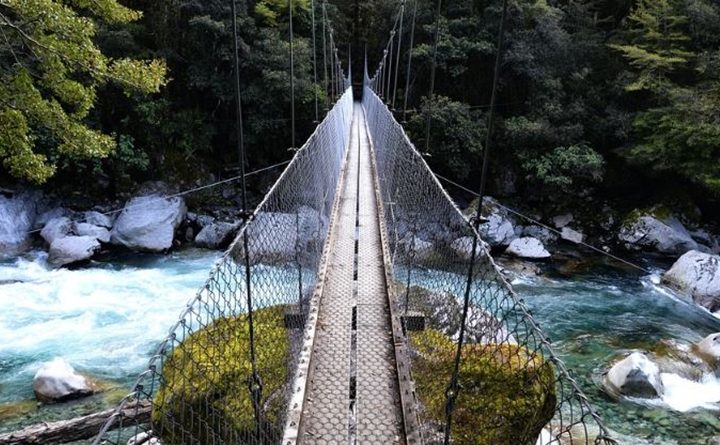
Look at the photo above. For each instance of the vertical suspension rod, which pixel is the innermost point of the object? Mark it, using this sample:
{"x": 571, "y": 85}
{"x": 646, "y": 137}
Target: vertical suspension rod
{"x": 432, "y": 76}
{"x": 453, "y": 387}
{"x": 409, "y": 63}
{"x": 325, "y": 66}
{"x": 399, "y": 50}
{"x": 292, "y": 75}
{"x": 255, "y": 384}
{"x": 390, "y": 66}
{"x": 314, "y": 50}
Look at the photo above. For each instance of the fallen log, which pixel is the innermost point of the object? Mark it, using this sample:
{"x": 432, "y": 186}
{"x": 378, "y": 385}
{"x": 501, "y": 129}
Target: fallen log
{"x": 79, "y": 428}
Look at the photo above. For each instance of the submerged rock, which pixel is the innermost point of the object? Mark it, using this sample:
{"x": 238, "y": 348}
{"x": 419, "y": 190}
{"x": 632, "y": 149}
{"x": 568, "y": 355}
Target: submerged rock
{"x": 698, "y": 275}
{"x": 72, "y": 249}
{"x": 528, "y": 247}
{"x": 647, "y": 232}
{"x": 57, "y": 381}
{"x": 634, "y": 376}
{"x": 148, "y": 223}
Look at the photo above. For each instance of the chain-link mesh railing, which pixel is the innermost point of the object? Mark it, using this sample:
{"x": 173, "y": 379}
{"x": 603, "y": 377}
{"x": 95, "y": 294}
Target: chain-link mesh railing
{"x": 223, "y": 374}
{"x": 504, "y": 385}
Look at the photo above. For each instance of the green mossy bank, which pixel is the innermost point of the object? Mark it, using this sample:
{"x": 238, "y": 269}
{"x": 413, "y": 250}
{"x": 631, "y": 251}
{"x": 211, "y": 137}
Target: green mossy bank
{"x": 205, "y": 395}
{"x": 507, "y": 395}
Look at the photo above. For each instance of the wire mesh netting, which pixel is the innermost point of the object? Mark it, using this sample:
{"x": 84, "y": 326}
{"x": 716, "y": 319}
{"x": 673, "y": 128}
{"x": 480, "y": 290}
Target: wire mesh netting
{"x": 504, "y": 385}
{"x": 223, "y": 374}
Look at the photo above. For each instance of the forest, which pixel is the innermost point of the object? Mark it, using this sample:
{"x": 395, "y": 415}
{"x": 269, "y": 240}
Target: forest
{"x": 617, "y": 100}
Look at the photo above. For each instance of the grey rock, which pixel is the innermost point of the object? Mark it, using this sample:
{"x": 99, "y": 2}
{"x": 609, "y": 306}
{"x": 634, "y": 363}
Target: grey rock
{"x": 45, "y": 217}
{"x": 528, "y": 247}
{"x": 272, "y": 237}
{"x": 148, "y": 223}
{"x": 200, "y": 220}
{"x": 57, "y": 228}
{"x": 634, "y": 376}
{"x": 713, "y": 441}
{"x": 541, "y": 233}
{"x": 99, "y": 233}
{"x": 463, "y": 247}
{"x": 57, "y": 381}
{"x": 98, "y": 219}
{"x": 17, "y": 215}
{"x": 415, "y": 247}
{"x": 649, "y": 233}
{"x": 312, "y": 223}
{"x": 571, "y": 235}
{"x": 561, "y": 221}
{"x": 217, "y": 235}
{"x": 145, "y": 438}
{"x": 72, "y": 249}
{"x": 709, "y": 349}
{"x": 498, "y": 231}
{"x": 697, "y": 274}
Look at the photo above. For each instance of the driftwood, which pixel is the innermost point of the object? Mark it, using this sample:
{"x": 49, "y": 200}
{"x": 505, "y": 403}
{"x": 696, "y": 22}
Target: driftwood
{"x": 79, "y": 428}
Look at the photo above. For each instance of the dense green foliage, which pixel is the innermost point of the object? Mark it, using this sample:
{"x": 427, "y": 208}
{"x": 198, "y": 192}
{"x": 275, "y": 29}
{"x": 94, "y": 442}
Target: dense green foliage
{"x": 596, "y": 96}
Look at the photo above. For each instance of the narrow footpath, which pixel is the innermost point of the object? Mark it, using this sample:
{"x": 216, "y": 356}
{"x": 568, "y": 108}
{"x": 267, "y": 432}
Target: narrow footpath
{"x": 352, "y": 396}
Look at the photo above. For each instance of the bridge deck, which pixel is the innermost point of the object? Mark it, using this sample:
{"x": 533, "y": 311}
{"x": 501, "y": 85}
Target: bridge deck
{"x": 353, "y": 392}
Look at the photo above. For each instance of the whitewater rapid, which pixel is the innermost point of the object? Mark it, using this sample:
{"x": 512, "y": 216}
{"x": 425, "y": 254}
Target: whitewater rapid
{"x": 105, "y": 319}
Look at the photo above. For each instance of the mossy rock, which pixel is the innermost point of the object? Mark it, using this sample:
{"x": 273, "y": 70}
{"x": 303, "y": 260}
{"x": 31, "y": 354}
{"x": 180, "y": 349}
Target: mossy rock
{"x": 205, "y": 396}
{"x": 507, "y": 393}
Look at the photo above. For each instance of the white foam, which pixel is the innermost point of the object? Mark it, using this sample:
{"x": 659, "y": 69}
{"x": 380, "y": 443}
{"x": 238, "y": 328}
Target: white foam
{"x": 684, "y": 395}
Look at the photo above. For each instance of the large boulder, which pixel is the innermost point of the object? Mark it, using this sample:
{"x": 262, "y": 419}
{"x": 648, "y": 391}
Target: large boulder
{"x": 148, "y": 223}
{"x": 57, "y": 381}
{"x": 17, "y": 215}
{"x": 634, "y": 376}
{"x": 99, "y": 233}
{"x": 72, "y": 249}
{"x": 272, "y": 237}
{"x": 698, "y": 275}
{"x": 312, "y": 224}
{"x": 217, "y": 235}
{"x": 498, "y": 230}
{"x": 528, "y": 247}
{"x": 57, "y": 228}
{"x": 642, "y": 231}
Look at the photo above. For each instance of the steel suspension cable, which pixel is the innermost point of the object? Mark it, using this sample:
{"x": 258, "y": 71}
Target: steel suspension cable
{"x": 409, "y": 64}
{"x": 325, "y": 77}
{"x": 332, "y": 65}
{"x": 453, "y": 387}
{"x": 314, "y": 50}
{"x": 390, "y": 65}
{"x": 254, "y": 384}
{"x": 292, "y": 75}
{"x": 399, "y": 50}
{"x": 432, "y": 77}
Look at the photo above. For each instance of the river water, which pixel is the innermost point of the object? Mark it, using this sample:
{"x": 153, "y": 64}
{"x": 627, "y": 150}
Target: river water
{"x": 107, "y": 319}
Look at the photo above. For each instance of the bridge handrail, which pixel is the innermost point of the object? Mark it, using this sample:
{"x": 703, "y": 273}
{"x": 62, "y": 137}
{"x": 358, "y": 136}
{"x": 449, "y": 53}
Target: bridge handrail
{"x": 190, "y": 370}
{"x": 434, "y": 277}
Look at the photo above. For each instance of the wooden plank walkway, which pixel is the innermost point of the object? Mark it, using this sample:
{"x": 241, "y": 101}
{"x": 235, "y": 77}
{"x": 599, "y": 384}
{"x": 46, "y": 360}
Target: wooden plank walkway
{"x": 352, "y": 395}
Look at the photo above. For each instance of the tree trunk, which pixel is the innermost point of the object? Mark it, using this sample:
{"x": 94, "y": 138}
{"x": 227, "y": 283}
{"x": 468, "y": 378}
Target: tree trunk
{"x": 79, "y": 428}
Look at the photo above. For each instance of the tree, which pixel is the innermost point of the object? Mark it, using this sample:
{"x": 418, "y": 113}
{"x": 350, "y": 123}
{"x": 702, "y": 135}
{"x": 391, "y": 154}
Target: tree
{"x": 51, "y": 69}
{"x": 656, "y": 46}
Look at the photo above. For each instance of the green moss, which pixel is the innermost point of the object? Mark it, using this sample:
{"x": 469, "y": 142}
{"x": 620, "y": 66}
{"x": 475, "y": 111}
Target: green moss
{"x": 507, "y": 394}
{"x": 659, "y": 212}
{"x": 205, "y": 396}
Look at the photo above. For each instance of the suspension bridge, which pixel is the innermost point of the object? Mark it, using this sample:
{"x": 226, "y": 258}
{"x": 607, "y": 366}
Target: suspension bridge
{"x": 357, "y": 305}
